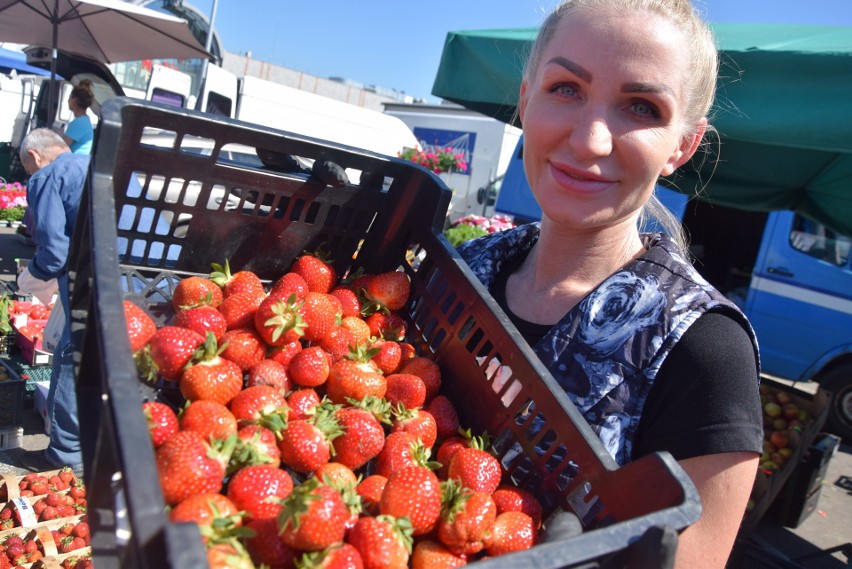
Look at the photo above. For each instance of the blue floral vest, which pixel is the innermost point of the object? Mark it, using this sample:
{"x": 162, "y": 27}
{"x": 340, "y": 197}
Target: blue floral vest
{"x": 607, "y": 350}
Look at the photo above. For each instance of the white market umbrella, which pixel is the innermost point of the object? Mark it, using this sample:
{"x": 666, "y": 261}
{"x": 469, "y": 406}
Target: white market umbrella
{"x": 103, "y": 30}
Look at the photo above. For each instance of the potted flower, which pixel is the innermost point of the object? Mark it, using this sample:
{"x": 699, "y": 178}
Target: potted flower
{"x": 13, "y": 203}
{"x": 438, "y": 159}
{"x": 472, "y": 226}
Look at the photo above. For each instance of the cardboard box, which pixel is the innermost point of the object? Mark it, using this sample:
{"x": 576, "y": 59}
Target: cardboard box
{"x": 40, "y": 403}
{"x": 30, "y": 344}
{"x": 11, "y": 438}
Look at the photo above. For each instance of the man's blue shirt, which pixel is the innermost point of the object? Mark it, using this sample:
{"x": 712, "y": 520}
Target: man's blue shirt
{"x": 53, "y": 194}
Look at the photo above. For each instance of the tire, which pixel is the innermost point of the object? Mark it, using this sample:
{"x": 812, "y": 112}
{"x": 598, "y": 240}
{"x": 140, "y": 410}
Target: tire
{"x": 839, "y": 382}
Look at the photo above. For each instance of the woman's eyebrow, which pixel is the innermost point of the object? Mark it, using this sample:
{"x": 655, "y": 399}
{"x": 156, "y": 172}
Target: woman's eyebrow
{"x": 648, "y": 88}
{"x": 574, "y": 68}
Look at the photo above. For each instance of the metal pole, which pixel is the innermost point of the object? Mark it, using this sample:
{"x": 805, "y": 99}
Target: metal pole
{"x": 209, "y": 41}
{"x": 51, "y": 93}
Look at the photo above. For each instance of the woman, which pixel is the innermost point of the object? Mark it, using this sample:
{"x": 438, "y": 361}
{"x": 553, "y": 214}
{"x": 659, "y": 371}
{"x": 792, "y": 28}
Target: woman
{"x": 615, "y": 95}
{"x": 79, "y": 132}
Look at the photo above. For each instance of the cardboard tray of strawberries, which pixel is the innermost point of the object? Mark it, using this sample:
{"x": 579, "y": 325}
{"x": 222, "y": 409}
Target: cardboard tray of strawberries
{"x": 155, "y": 216}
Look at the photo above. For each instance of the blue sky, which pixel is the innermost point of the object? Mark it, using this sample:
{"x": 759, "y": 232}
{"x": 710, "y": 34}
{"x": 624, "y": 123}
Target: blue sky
{"x": 398, "y": 45}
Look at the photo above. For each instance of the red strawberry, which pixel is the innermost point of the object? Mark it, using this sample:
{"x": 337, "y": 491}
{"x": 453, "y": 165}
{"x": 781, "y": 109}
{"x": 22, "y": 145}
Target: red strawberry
{"x": 302, "y": 403}
{"x": 202, "y": 319}
{"x": 244, "y": 347}
{"x": 511, "y": 498}
{"x": 269, "y": 372}
{"x": 362, "y": 440}
{"x": 390, "y": 290}
{"x": 255, "y": 445}
{"x": 338, "y": 475}
{"x": 239, "y": 309}
{"x": 210, "y": 376}
{"x": 317, "y": 271}
{"x": 446, "y": 450}
{"x": 205, "y": 509}
{"x": 359, "y": 329}
{"x": 162, "y": 421}
{"x": 511, "y": 531}
{"x": 389, "y": 356}
{"x": 313, "y": 517}
{"x": 418, "y": 422}
{"x": 283, "y": 354}
{"x": 414, "y": 492}
{"x": 187, "y": 465}
{"x": 259, "y": 403}
{"x": 195, "y": 291}
{"x": 405, "y": 389}
{"x": 466, "y": 518}
{"x": 210, "y": 419}
{"x": 266, "y": 548}
{"x": 475, "y": 468}
{"x": 430, "y": 554}
{"x": 446, "y": 416}
{"x": 257, "y": 490}
{"x": 169, "y": 350}
{"x": 355, "y": 377}
{"x": 310, "y": 367}
{"x": 320, "y": 313}
{"x": 140, "y": 326}
{"x": 348, "y": 299}
{"x": 289, "y": 283}
{"x": 388, "y": 326}
{"x": 383, "y": 542}
{"x": 337, "y": 342}
{"x": 305, "y": 444}
{"x": 426, "y": 369}
{"x": 228, "y": 555}
{"x": 239, "y": 282}
{"x": 370, "y": 489}
{"x": 278, "y": 320}
{"x": 398, "y": 452}
{"x": 339, "y": 556}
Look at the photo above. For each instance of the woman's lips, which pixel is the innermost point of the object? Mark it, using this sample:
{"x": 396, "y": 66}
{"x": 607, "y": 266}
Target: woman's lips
{"x": 578, "y": 181}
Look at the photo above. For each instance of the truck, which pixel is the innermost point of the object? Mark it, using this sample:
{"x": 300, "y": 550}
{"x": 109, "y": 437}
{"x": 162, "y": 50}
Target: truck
{"x": 486, "y": 143}
{"x": 789, "y": 274}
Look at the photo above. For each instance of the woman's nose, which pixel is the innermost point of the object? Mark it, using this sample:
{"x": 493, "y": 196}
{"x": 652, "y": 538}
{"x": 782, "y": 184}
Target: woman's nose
{"x": 592, "y": 137}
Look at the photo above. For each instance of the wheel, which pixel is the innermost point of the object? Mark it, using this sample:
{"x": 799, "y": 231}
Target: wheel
{"x": 839, "y": 382}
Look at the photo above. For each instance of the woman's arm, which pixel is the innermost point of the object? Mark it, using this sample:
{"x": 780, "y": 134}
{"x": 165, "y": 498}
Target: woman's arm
{"x": 724, "y": 482}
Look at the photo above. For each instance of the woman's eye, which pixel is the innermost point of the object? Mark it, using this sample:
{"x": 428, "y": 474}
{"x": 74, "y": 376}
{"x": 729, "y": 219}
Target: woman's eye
{"x": 564, "y": 89}
{"x": 646, "y": 110}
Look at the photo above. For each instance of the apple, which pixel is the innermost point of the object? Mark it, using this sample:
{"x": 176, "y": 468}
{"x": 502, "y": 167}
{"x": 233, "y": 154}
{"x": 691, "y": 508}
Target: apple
{"x": 772, "y": 409}
{"x": 790, "y": 411}
{"x": 778, "y": 459}
{"x": 769, "y": 446}
{"x": 804, "y": 416}
{"x": 782, "y": 398}
{"x": 780, "y": 439}
{"x": 764, "y": 389}
{"x": 786, "y": 452}
{"x": 779, "y": 424}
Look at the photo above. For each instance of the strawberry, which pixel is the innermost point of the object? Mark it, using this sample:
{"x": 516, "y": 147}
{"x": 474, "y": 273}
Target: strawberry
{"x": 206, "y": 510}
{"x": 228, "y": 555}
{"x": 265, "y": 547}
{"x": 398, "y": 452}
{"x": 355, "y": 377}
{"x": 370, "y": 489}
{"x": 195, "y": 291}
{"x": 415, "y": 492}
{"x": 426, "y": 369}
{"x": 239, "y": 309}
{"x": 244, "y": 347}
{"x": 466, "y": 518}
{"x": 511, "y": 531}
{"x": 317, "y": 271}
{"x": 278, "y": 320}
{"x": 283, "y": 354}
{"x": 388, "y": 326}
{"x": 338, "y": 475}
{"x": 475, "y": 468}
{"x": 349, "y": 300}
{"x": 202, "y": 319}
{"x": 511, "y": 498}
{"x": 383, "y": 542}
{"x": 187, "y": 465}
{"x": 168, "y": 351}
{"x": 210, "y": 376}
{"x": 359, "y": 329}
{"x": 255, "y": 445}
{"x": 162, "y": 421}
{"x": 260, "y": 404}
{"x": 239, "y": 282}
{"x": 257, "y": 490}
{"x": 405, "y": 389}
{"x": 305, "y": 444}
{"x": 362, "y": 440}
{"x": 210, "y": 419}
{"x": 388, "y": 357}
{"x": 446, "y": 416}
{"x": 310, "y": 367}
{"x": 446, "y": 450}
{"x": 339, "y": 556}
{"x": 289, "y": 283}
{"x": 430, "y": 554}
{"x": 337, "y": 342}
{"x": 269, "y": 372}
{"x": 140, "y": 326}
{"x": 320, "y": 312}
{"x": 302, "y": 403}
{"x": 390, "y": 290}
{"x": 313, "y": 517}
{"x": 418, "y": 422}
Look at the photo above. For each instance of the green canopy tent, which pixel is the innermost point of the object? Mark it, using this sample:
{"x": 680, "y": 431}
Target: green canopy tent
{"x": 783, "y": 112}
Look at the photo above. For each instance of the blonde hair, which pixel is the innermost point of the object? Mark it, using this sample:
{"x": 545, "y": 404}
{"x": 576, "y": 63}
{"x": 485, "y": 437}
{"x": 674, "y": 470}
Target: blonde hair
{"x": 703, "y": 71}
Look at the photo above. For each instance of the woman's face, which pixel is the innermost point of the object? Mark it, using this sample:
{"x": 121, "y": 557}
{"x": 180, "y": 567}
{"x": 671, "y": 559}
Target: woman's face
{"x": 602, "y": 117}
{"x": 72, "y": 104}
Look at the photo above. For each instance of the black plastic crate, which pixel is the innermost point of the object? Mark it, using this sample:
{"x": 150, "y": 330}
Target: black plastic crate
{"x": 11, "y": 398}
{"x": 139, "y": 242}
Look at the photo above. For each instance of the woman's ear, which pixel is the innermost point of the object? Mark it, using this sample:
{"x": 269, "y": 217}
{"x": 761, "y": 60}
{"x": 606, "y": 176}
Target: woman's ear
{"x": 687, "y": 148}
{"x": 522, "y": 100}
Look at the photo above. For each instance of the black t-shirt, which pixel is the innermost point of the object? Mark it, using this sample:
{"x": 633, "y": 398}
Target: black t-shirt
{"x": 705, "y": 397}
